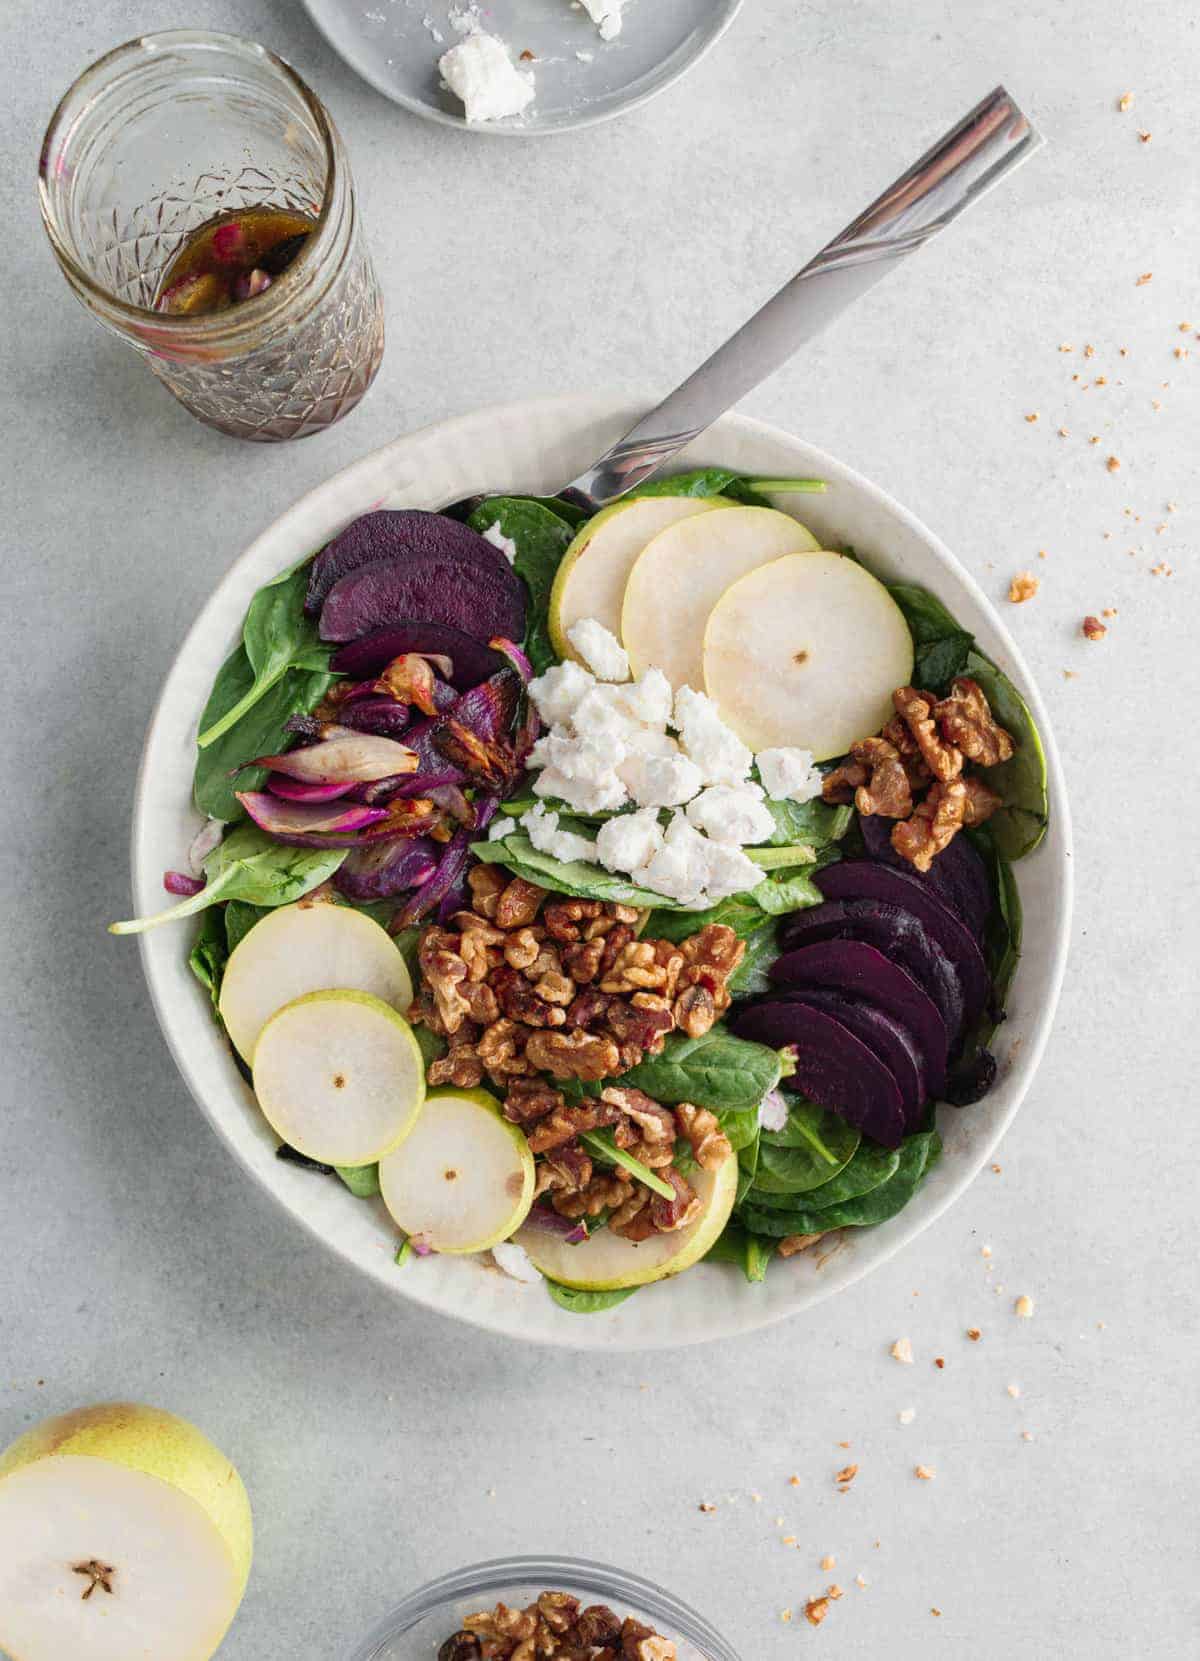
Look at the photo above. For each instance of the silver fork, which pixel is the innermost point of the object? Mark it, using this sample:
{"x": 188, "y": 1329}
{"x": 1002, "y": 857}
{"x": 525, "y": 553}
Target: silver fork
{"x": 954, "y": 173}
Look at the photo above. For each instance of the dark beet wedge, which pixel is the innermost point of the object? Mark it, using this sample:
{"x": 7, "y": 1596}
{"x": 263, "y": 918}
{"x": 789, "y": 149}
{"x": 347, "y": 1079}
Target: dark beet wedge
{"x": 896, "y": 933}
{"x": 892, "y": 1043}
{"x": 472, "y": 661}
{"x": 957, "y": 876}
{"x": 397, "y": 535}
{"x": 481, "y": 602}
{"x": 864, "y": 879}
{"x": 833, "y": 1067}
{"x": 862, "y": 972}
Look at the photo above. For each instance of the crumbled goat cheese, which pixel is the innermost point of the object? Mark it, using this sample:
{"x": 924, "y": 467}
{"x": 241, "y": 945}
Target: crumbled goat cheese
{"x": 680, "y": 867}
{"x": 606, "y": 15}
{"x": 659, "y": 780}
{"x": 788, "y": 775}
{"x": 499, "y": 828}
{"x": 715, "y": 748}
{"x": 558, "y": 692}
{"x": 601, "y": 715}
{"x": 773, "y": 1111}
{"x": 732, "y": 813}
{"x": 497, "y": 538}
{"x": 600, "y": 649}
{"x": 577, "y": 758}
{"x": 630, "y": 840}
{"x": 515, "y": 1261}
{"x": 729, "y": 871}
{"x": 541, "y": 827}
{"x": 480, "y": 72}
{"x": 600, "y": 792}
{"x": 648, "y": 699}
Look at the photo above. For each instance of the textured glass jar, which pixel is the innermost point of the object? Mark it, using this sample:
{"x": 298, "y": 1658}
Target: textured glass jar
{"x": 156, "y": 139}
{"x": 417, "y": 1629}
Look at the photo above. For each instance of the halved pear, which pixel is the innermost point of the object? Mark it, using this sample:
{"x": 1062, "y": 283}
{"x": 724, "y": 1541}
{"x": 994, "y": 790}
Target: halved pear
{"x": 125, "y": 1535}
{"x": 307, "y": 947}
{"x": 591, "y": 577}
{"x": 680, "y": 575}
{"x": 339, "y": 1076}
{"x": 463, "y": 1180}
{"x": 806, "y": 652}
{"x": 606, "y": 1263}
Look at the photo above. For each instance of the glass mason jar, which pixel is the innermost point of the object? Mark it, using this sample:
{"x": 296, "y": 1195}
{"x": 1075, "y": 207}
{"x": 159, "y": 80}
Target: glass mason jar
{"x": 155, "y": 140}
{"x": 420, "y": 1626}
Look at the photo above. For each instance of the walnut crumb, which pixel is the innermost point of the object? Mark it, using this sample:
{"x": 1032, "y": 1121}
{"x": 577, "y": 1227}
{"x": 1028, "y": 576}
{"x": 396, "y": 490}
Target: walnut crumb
{"x": 939, "y": 1361}
{"x": 788, "y": 1540}
{"x": 859, "y": 1581}
{"x": 793, "y": 1482}
{"x": 785, "y": 1615}
{"x": 1094, "y": 439}
{"x": 902, "y": 1350}
{"x": 925, "y": 1473}
{"x": 1089, "y": 351}
{"x": 1063, "y": 433}
{"x": 906, "y": 1415}
{"x": 1145, "y": 277}
{"x": 815, "y": 1610}
{"x": 985, "y": 1251}
{"x": 974, "y": 1334}
{"x": 829, "y": 1562}
{"x": 834, "y": 1592}
{"x": 1032, "y": 416}
{"x": 1124, "y": 101}
{"x": 1024, "y": 1307}
{"x": 1066, "y": 347}
{"x": 846, "y": 1475}
{"x": 707, "y": 1507}
{"x": 1023, "y": 587}
{"x": 1093, "y": 628}
{"x": 1027, "y": 1436}
{"x": 934, "y": 1611}
{"x": 1013, "y": 1390}
{"x": 1144, "y": 138}
{"x": 1113, "y": 464}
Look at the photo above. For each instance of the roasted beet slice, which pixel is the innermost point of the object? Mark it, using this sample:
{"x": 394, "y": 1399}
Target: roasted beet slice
{"x": 481, "y": 602}
{"x": 853, "y": 967}
{"x": 892, "y": 1043}
{"x": 472, "y": 661}
{"x": 957, "y": 876}
{"x": 864, "y": 879}
{"x": 396, "y": 534}
{"x": 833, "y": 1067}
{"x": 895, "y": 932}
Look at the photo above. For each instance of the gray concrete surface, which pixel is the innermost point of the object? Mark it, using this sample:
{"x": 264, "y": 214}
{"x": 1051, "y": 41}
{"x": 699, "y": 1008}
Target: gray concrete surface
{"x": 136, "y": 1260}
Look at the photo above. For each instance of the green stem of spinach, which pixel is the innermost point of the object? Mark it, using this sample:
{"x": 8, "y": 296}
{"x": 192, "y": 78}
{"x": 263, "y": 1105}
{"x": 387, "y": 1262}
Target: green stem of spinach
{"x": 262, "y": 685}
{"x": 814, "y": 1141}
{"x": 775, "y": 859}
{"x": 601, "y": 1144}
{"x": 812, "y": 486}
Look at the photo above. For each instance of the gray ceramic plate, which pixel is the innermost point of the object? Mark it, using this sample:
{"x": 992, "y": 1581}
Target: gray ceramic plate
{"x": 395, "y": 45}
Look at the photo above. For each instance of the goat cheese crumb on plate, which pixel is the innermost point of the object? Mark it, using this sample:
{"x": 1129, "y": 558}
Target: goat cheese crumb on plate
{"x": 480, "y": 72}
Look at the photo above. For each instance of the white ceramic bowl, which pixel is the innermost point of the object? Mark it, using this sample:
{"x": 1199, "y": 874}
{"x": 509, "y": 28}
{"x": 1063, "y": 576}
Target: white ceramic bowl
{"x": 534, "y": 447}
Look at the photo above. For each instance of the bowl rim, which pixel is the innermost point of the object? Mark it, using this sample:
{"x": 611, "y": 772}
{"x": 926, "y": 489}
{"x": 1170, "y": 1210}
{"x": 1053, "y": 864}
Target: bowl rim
{"x": 598, "y": 1579}
{"x": 565, "y": 411}
{"x": 364, "y": 68}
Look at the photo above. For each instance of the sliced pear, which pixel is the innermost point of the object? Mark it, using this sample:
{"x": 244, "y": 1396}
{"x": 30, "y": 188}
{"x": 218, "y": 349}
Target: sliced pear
{"x": 307, "y": 947}
{"x": 125, "y": 1535}
{"x": 806, "y": 651}
{"x": 680, "y": 575}
{"x": 606, "y": 1263}
{"x": 591, "y": 578}
{"x": 463, "y": 1180}
{"x": 339, "y": 1076}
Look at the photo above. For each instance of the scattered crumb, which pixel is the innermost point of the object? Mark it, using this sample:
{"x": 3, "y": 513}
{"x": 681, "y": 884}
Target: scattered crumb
{"x": 906, "y": 1415}
{"x": 1024, "y": 1307}
{"x": 1145, "y": 277}
{"x": 843, "y": 1444}
{"x": 1027, "y": 1436}
{"x": 1181, "y": 351}
{"x": 1023, "y": 587}
{"x": 1066, "y": 348}
{"x": 1093, "y": 628}
{"x": 939, "y": 1361}
{"x": 1125, "y": 101}
{"x": 829, "y": 1562}
{"x": 1109, "y": 611}
{"x": 528, "y": 57}
{"x": 793, "y": 1482}
{"x": 1144, "y": 138}
{"x": 834, "y": 1592}
{"x": 1089, "y": 351}
{"x": 1162, "y": 569}
{"x": 934, "y": 1611}
{"x": 985, "y": 1251}
{"x": 846, "y": 1475}
{"x": 1063, "y": 432}
{"x": 1014, "y": 1390}
{"x": 1113, "y": 464}
{"x": 974, "y": 1334}
{"x": 1094, "y": 439}
{"x": 859, "y": 1581}
{"x": 788, "y": 1540}
{"x": 1068, "y": 674}
{"x": 707, "y": 1507}
{"x": 779, "y": 1522}
{"x": 757, "y": 1498}
{"x": 785, "y": 1615}
{"x": 815, "y": 1610}
{"x": 926, "y": 1473}
{"x": 1032, "y": 416}
{"x": 902, "y": 1350}
{"x": 997, "y": 1169}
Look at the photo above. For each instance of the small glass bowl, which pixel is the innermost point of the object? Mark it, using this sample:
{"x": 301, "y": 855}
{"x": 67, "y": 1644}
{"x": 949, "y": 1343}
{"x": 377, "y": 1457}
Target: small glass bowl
{"x": 422, "y": 1623}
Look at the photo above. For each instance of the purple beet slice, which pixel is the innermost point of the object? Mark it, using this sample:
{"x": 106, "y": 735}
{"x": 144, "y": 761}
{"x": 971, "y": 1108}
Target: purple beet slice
{"x": 891, "y": 1042}
{"x": 833, "y": 1067}
{"x": 855, "y": 968}
{"x": 895, "y": 932}
{"x": 438, "y": 589}
{"x": 864, "y": 879}
{"x": 957, "y": 876}
{"x": 396, "y": 534}
{"x": 473, "y": 661}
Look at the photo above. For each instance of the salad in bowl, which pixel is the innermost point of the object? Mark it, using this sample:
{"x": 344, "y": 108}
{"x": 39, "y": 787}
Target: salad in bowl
{"x": 597, "y": 896}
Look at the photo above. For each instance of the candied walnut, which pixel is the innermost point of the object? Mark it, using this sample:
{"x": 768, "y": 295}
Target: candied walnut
{"x": 529, "y": 1099}
{"x": 566, "y": 1123}
{"x": 642, "y": 1643}
{"x": 487, "y": 883}
{"x": 632, "y": 968}
{"x": 916, "y": 711}
{"x": 503, "y": 1622}
{"x": 607, "y": 1191}
{"x": 500, "y": 1050}
{"x": 581, "y": 960}
{"x": 547, "y": 962}
{"x": 696, "y": 1010}
{"x": 461, "y": 1064}
{"x": 966, "y": 719}
{"x": 655, "y": 1123}
{"x": 1093, "y": 629}
{"x": 643, "y": 1022}
{"x": 597, "y": 1627}
{"x": 669, "y": 1215}
{"x": 563, "y": 918}
{"x": 477, "y": 943}
{"x": 460, "y": 1646}
{"x": 521, "y": 949}
{"x": 519, "y": 904}
{"x": 423, "y": 1012}
{"x": 793, "y": 1243}
{"x": 522, "y": 1002}
{"x": 702, "y": 1131}
{"x": 444, "y": 972}
{"x": 480, "y": 1001}
{"x": 711, "y": 954}
{"x": 559, "y": 1610}
{"x": 589, "y": 1007}
{"x": 565, "y": 1170}
{"x": 631, "y": 1220}
{"x": 576, "y": 1054}
{"x": 887, "y": 792}
{"x": 555, "y": 989}
{"x": 981, "y": 801}
{"x": 934, "y": 824}
{"x": 840, "y": 783}
{"x": 897, "y": 734}
{"x": 616, "y": 941}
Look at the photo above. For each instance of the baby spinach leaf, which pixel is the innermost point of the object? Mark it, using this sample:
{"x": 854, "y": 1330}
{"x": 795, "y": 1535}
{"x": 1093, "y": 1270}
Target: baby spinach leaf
{"x": 759, "y": 1253}
{"x": 813, "y": 1146}
{"x": 740, "y": 1126}
{"x": 748, "y": 1164}
{"x": 917, "y": 1156}
{"x": 777, "y": 858}
{"x": 240, "y": 918}
{"x": 361, "y": 1180}
{"x": 762, "y": 948}
{"x": 1020, "y": 824}
{"x": 209, "y": 955}
{"x": 701, "y": 481}
{"x": 587, "y": 1303}
{"x": 927, "y": 618}
{"x": 814, "y": 822}
{"x": 260, "y": 731}
{"x": 276, "y": 636}
{"x": 936, "y": 663}
{"x": 717, "y": 1071}
{"x": 869, "y": 1166}
{"x": 602, "y": 1146}
{"x": 740, "y": 912}
{"x": 576, "y": 877}
{"x": 248, "y": 865}
{"x": 430, "y": 1044}
{"x": 750, "y": 1253}
{"x": 788, "y": 890}
{"x": 542, "y": 537}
